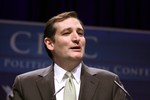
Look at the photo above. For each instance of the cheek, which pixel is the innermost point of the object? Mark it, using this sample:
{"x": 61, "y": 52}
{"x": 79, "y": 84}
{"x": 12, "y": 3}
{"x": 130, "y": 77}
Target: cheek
{"x": 83, "y": 42}
{"x": 61, "y": 43}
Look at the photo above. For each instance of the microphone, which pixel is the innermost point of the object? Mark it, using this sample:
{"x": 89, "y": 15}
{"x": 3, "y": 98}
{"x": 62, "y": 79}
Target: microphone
{"x": 53, "y": 98}
{"x": 123, "y": 89}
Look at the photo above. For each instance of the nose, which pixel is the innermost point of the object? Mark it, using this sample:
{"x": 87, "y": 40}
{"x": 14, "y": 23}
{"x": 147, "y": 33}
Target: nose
{"x": 75, "y": 37}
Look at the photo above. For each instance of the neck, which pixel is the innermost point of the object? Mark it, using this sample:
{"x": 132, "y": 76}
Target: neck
{"x": 68, "y": 66}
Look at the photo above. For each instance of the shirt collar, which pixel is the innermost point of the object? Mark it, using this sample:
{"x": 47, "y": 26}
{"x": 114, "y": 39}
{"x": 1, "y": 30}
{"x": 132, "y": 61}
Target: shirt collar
{"x": 59, "y": 73}
{"x": 77, "y": 72}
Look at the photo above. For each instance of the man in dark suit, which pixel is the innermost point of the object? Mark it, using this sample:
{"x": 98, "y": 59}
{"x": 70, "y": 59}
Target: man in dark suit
{"x": 65, "y": 44}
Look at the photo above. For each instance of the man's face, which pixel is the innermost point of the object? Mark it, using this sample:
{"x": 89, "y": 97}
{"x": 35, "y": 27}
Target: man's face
{"x": 69, "y": 41}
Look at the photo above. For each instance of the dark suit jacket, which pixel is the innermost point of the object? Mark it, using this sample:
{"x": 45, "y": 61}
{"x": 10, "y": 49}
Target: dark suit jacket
{"x": 96, "y": 84}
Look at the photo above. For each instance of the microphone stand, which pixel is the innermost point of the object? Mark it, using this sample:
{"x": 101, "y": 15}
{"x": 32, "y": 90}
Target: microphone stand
{"x": 53, "y": 98}
{"x": 123, "y": 90}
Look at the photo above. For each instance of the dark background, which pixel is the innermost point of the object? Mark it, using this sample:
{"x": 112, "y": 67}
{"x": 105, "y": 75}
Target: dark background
{"x": 130, "y": 14}
{"x": 127, "y": 14}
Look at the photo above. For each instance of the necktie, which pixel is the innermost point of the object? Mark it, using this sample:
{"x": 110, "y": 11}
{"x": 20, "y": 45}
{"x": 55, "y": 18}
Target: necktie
{"x": 69, "y": 91}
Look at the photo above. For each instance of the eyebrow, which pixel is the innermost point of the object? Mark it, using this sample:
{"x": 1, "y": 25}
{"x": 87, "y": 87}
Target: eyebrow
{"x": 66, "y": 29}
{"x": 69, "y": 28}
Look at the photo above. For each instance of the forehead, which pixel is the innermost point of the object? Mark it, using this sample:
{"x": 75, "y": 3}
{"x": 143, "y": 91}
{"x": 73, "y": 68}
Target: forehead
{"x": 68, "y": 23}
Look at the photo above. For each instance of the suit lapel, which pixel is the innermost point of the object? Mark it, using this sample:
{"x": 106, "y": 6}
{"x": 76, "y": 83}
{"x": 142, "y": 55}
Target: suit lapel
{"x": 45, "y": 84}
{"x": 46, "y": 88}
{"x": 89, "y": 84}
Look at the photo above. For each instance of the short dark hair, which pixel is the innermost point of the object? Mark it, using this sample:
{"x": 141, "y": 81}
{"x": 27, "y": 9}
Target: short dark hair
{"x": 50, "y": 30}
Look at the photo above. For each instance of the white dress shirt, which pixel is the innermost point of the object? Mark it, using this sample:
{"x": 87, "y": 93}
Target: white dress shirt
{"x": 59, "y": 80}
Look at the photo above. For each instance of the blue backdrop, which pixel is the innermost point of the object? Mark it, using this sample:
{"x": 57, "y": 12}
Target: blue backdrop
{"x": 124, "y": 52}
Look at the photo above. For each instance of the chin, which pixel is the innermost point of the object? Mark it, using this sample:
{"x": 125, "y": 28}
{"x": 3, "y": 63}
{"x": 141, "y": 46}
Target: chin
{"x": 77, "y": 58}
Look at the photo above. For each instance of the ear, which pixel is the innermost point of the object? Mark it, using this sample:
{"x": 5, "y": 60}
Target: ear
{"x": 49, "y": 43}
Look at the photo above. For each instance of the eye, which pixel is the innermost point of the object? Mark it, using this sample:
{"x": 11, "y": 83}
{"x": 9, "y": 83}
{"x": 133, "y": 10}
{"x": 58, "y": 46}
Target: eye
{"x": 66, "y": 33}
{"x": 81, "y": 33}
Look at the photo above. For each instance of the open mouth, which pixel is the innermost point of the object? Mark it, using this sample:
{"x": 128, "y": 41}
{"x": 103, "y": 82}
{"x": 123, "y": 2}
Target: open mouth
{"x": 77, "y": 48}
